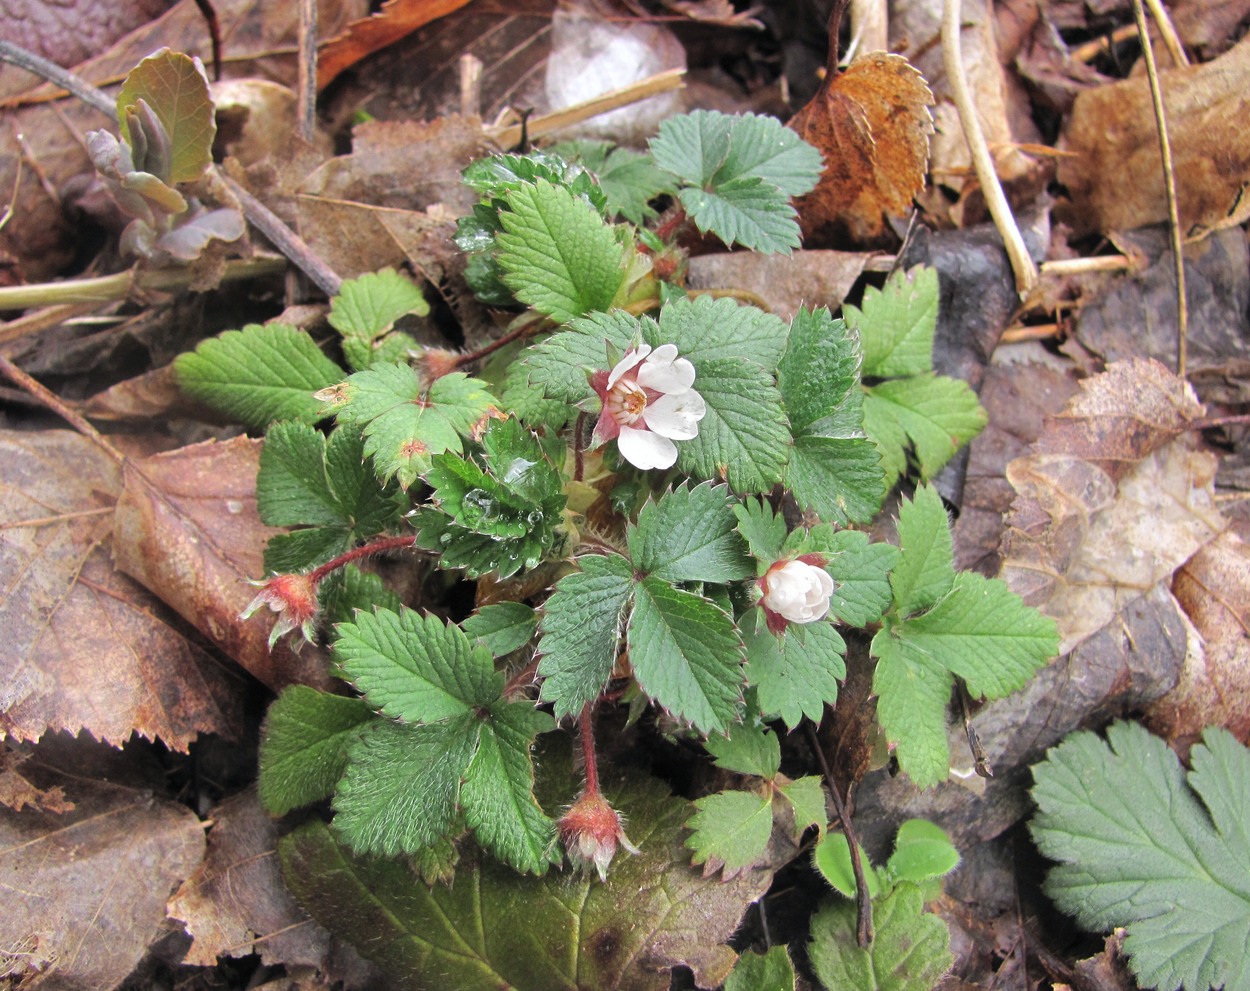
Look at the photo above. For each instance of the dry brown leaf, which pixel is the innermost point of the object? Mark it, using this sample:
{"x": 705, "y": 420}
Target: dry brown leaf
{"x": 84, "y": 647}
{"x": 1111, "y": 501}
{"x": 66, "y": 32}
{"x": 85, "y": 891}
{"x": 872, "y": 124}
{"x": 17, "y": 792}
{"x": 187, "y": 528}
{"x": 785, "y": 283}
{"x": 236, "y": 904}
{"x": 396, "y": 19}
{"x": 1213, "y": 587}
{"x": 1116, "y": 178}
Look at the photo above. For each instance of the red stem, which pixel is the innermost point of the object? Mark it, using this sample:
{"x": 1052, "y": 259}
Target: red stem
{"x": 515, "y": 334}
{"x": 586, "y": 730}
{"x": 667, "y": 229}
{"x": 579, "y": 461}
{"x": 522, "y": 678}
{"x": 356, "y": 553}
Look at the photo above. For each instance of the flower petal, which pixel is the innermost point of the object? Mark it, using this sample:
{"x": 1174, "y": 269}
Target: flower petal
{"x": 632, "y": 358}
{"x": 666, "y": 373}
{"x": 646, "y": 450}
{"x": 676, "y": 416}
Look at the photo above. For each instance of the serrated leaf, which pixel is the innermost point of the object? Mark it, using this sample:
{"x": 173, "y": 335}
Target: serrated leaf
{"x": 840, "y": 480}
{"x": 743, "y": 438}
{"x": 925, "y": 569}
{"x": 497, "y": 175}
{"x": 693, "y": 146}
{"x": 686, "y": 654}
{"x": 922, "y": 851}
{"x": 912, "y": 691}
{"x": 807, "y": 796}
{"x": 931, "y": 414}
{"x": 581, "y": 632}
{"x": 819, "y": 376}
{"x": 303, "y": 746}
{"x": 860, "y": 571}
{"x": 748, "y": 212}
{"x": 402, "y": 785}
{"x": 258, "y": 374}
{"x": 748, "y": 749}
{"x": 704, "y": 328}
{"x": 557, "y": 253}
{"x": 910, "y": 951}
{"x": 528, "y": 401}
{"x": 498, "y": 789}
{"x": 731, "y": 831}
{"x": 418, "y": 669}
{"x": 174, "y": 86}
{"x": 794, "y": 673}
{"x": 630, "y": 181}
{"x": 832, "y": 857}
{"x": 896, "y": 323}
{"x": 1136, "y": 848}
{"x": 770, "y": 971}
{"x": 502, "y": 627}
{"x": 349, "y": 589}
{"x": 762, "y": 529}
{"x": 558, "y": 364}
{"x": 367, "y": 307}
{"x": 688, "y": 535}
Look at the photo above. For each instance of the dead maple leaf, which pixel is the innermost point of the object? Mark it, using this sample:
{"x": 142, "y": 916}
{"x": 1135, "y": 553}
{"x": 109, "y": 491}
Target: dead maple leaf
{"x": 84, "y": 647}
{"x": 872, "y": 124}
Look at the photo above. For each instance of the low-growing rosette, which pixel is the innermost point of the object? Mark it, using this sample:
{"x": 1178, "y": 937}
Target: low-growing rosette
{"x": 648, "y": 403}
{"x": 796, "y": 591}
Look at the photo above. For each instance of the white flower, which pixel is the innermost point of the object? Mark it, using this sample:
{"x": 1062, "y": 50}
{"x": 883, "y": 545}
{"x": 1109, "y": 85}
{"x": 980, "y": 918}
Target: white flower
{"x": 796, "y": 592}
{"x": 648, "y": 403}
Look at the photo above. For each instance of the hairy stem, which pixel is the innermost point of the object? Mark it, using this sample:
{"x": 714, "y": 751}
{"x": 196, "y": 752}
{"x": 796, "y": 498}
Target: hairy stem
{"x": 586, "y": 731}
{"x": 356, "y": 553}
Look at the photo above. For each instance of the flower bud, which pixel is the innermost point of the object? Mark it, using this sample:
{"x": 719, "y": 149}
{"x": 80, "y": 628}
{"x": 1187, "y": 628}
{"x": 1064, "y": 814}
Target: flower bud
{"x": 293, "y": 598}
{"x": 796, "y": 591}
{"x": 591, "y": 831}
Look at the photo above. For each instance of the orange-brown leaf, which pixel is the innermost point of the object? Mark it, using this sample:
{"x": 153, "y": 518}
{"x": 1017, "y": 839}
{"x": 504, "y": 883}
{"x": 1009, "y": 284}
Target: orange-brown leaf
{"x": 872, "y": 124}
{"x": 396, "y": 19}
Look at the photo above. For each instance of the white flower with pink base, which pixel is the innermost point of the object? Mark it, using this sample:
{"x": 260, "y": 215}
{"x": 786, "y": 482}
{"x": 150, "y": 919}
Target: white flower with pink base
{"x": 648, "y": 403}
{"x": 796, "y": 591}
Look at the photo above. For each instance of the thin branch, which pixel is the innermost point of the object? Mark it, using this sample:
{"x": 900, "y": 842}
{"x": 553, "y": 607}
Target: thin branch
{"x": 54, "y": 74}
{"x": 1169, "y": 186}
{"x": 57, "y": 406}
{"x": 1021, "y": 262}
{"x": 1167, "y": 31}
{"x": 306, "y": 90}
{"x": 379, "y": 546}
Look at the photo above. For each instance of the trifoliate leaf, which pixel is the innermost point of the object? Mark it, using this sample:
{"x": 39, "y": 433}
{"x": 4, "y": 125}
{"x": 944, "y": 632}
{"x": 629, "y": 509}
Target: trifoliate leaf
{"x": 686, "y": 654}
{"x": 807, "y": 797}
{"x": 979, "y": 631}
{"x": 175, "y": 87}
{"x": 731, "y": 831}
{"x": 496, "y": 176}
{"x": 303, "y": 746}
{"x": 688, "y": 535}
{"x": 860, "y": 571}
{"x": 1137, "y": 848}
{"x": 910, "y": 951}
{"x": 896, "y": 324}
{"x": 925, "y": 570}
{"x": 368, "y": 306}
{"x": 748, "y": 212}
{"x": 557, "y": 253}
{"x": 498, "y": 791}
{"x": 502, "y": 627}
{"x": 832, "y": 857}
{"x": 404, "y": 424}
{"x": 305, "y": 479}
{"x": 930, "y": 414}
{"x": 762, "y": 529}
{"x": 771, "y": 971}
{"x": 581, "y": 632}
{"x": 402, "y": 787}
{"x": 748, "y": 749}
{"x": 558, "y": 365}
{"x": 794, "y": 673}
{"x": 418, "y": 669}
{"x": 704, "y": 328}
{"x": 922, "y": 851}
{"x": 258, "y": 374}
{"x": 630, "y": 179}
{"x": 349, "y": 589}
{"x": 743, "y": 438}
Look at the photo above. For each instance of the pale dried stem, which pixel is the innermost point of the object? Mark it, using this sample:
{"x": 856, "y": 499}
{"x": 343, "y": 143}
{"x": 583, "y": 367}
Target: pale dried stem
{"x": 1169, "y": 186}
{"x": 1167, "y": 31}
{"x": 1081, "y": 266}
{"x": 41, "y": 394}
{"x": 307, "y": 81}
{"x": 870, "y": 25}
{"x": 1092, "y": 49}
{"x": 1021, "y": 263}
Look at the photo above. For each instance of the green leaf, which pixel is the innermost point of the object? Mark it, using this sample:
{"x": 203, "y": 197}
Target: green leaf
{"x": 748, "y": 749}
{"x": 528, "y": 401}
{"x": 704, "y": 328}
{"x": 896, "y": 323}
{"x": 832, "y": 857}
{"x": 496, "y": 176}
{"x": 402, "y": 787}
{"x": 931, "y": 414}
{"x": 304, "y": 479}
{"x": 368, "y": 306}
{"x": 770, "y": 971}
{"x": 838, "y": 479}
{"x": 558, "y": 365}
{"x": 860, "y": 571}
{"x": 925, "y": 570}
{"x": 686, "y": 654}
{"x": 502, "y": 627}
{"x": 258, "y": 374}
{"x": 913, "y": 690}
{"x": 406, "y": 425}
{"x": 743, "y": 438}
{"x": 557, "y": 253}
{"x": 498, "y": 791}
{"x": 303, "y": 746}
{"x": 1136, "y": 848}
{"x": 748, "y": 212}
{"x": 762, "y": 529}
{"x": 581, "y": 632}
{"x": 630, "y": 181}
{"x": 922, "y": 851}
{"x": 807, "y": 797}
{"x": 688, "y": 535}
{"x": 175, "y": 87}
{"x": 731, "y": 831}
{"x": 910, "y": 951}
{"x": 418, "y": 669}
{"x": 794, "y": 673}
{"x": 349, "y": 589}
